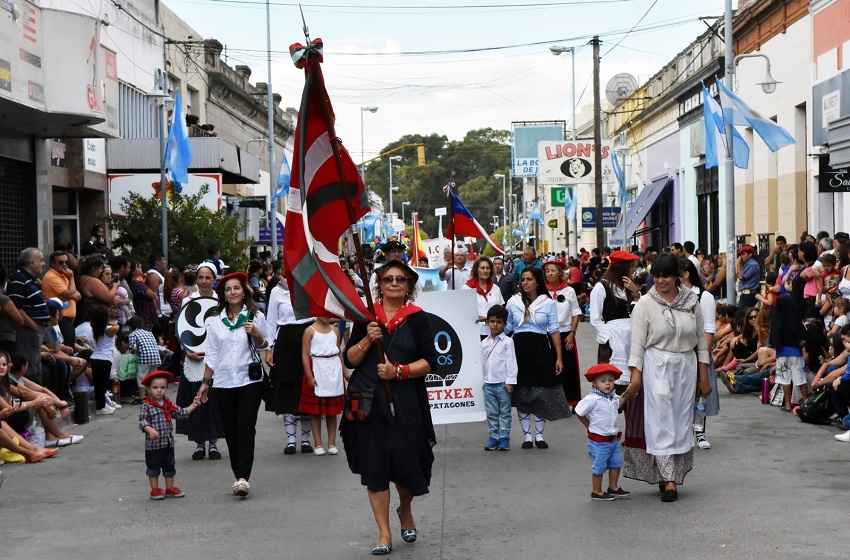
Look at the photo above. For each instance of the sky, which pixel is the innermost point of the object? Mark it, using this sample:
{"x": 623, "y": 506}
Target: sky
{"x": 447, "y": 67}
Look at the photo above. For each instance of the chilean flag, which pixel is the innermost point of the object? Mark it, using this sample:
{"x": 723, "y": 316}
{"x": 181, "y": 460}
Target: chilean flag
{"x": 462, "y": 223}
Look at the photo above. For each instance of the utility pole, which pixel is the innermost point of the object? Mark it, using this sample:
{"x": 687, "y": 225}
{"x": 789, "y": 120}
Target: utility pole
{"x": 729, "y": 164}
{"x": 597, "y": 145}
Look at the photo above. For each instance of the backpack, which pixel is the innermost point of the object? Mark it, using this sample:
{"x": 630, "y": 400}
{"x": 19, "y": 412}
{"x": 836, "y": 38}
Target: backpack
{"x": 816, "y": 409}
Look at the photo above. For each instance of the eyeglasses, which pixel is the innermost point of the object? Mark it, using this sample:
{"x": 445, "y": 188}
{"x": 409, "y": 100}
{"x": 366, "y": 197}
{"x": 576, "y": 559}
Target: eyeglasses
{"x": 751, "y": 317}
{"x": 62, "y": 263}
{"x": 400, "y": 280}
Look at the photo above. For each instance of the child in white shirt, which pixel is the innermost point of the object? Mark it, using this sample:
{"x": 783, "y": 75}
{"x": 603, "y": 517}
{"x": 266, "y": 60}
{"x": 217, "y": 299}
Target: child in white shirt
{"x": 598, "y": 413}
{"x": 500, "y": 371}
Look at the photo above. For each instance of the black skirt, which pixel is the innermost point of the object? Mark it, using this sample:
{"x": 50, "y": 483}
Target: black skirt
{"x": 204, "y": 424}
{"x": 571, "y": 376}
{"x": 288, "y": 370}
{"x": 535, "y": 358}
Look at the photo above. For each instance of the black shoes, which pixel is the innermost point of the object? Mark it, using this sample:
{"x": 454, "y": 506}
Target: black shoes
{"x": 215, "y": 454}
{"x": 541, "y": 444}
{"x": 306, "y": 447}
{"x": 603, "y": 497}
{"x": 618, "y": 493}
{"x": 289, "y": 449}
{"x": 527, "y": 445}
{"x": 199, "y": 453}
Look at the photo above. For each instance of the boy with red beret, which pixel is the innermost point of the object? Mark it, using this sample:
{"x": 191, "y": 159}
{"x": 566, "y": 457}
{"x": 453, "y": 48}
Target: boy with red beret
{"x": 598, "y": 413}
{"x": 155, "y": 422}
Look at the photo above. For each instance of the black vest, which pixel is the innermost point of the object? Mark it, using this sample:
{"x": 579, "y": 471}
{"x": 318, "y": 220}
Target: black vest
{"x": 613, "y": 307}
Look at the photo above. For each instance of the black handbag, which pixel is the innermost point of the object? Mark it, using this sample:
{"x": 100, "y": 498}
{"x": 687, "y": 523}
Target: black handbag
{"x": 358, "y": 404}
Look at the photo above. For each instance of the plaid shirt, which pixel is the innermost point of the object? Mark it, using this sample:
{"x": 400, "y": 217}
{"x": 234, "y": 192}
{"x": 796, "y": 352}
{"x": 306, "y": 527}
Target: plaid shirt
{"x": 154, "y": 417}
{"x": 23, "y": 289}
{"x": 146, "y": 347}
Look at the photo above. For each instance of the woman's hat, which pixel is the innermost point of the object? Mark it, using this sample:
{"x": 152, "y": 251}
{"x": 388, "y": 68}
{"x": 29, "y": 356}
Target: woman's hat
{"x": 599, "y": 369}
{"x": 241, "y": 276}
{"x": 557, "y": 262}
{"x": 622, "y": 256}
{"x": 409, "y": 272}
{"x": 392, "y": 246}
{"x": 169, "y": 377}
{"x": 746, "y": 249}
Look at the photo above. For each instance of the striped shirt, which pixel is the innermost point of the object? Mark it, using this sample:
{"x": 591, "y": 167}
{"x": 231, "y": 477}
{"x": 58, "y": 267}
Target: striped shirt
{"x": 24, "y": 291}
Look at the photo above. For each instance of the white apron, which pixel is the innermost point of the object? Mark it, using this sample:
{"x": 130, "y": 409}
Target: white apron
{"x": 620, "y": 340}
{"x": 669, "y": 383}
{"x": 327, "y": 369}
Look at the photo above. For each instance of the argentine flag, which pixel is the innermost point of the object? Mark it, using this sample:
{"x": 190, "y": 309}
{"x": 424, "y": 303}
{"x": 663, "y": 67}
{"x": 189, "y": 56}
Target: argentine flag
{"x": 714, "y": 122}
{"x": 178, "y": 151}
{"x": 736, "y": 112}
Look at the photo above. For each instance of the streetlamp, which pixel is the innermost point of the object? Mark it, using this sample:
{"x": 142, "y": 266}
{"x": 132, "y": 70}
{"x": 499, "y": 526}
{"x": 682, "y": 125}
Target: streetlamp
{"x": 768, "y": 85}
{"x": 391, "y": 159}
{"x": 557, "y": 50}
{"x": 371, "y": 109}
{"x": 403, "y": 204}
{"x": 504, "y": 205}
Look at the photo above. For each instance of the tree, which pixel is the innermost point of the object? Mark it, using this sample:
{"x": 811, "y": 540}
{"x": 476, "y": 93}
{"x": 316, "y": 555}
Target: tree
{"x": 191, "y": 228}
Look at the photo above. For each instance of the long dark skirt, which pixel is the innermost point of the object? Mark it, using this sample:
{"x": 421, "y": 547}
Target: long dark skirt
{"x": 571, "y": 376}
{"x": 204, "y": 424}
{"x": 288, "y": 370}
{"x": 538, "y": 390}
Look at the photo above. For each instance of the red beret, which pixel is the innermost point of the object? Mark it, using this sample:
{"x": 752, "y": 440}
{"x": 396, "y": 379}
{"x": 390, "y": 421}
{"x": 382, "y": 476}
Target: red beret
{"x": 747, "y": 249}
{"x": 622, "y": 256}
{"x": 169, "y": 377}
{"x": 599, "y": 369}
{"x": 241, "y": 276}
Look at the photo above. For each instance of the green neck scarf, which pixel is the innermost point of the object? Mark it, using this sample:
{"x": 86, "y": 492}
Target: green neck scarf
{"x": 241, "y": 319}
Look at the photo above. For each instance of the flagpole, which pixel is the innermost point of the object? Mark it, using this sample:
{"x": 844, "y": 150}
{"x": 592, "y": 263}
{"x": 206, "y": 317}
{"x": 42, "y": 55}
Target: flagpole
{"x": 452, "y": 222}
{"x": 316, "y": 74}
{"x": 270, "y": 109}
{"x": 729, "y": 164}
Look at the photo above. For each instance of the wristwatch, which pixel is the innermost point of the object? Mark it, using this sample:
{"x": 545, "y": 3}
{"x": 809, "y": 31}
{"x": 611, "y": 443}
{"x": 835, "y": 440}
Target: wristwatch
{"x": 207, "y": 381}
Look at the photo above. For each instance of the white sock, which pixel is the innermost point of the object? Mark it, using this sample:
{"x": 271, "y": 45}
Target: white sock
{"x": 539, "y": 425}
{"x": 525, "y": 423}
{"x": 289, "y": 420}
{"x": 306, "y": 428}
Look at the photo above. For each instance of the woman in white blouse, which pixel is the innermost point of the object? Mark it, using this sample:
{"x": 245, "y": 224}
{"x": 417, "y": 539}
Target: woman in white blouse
{"x": 487, "y": 291}
{"x": 236, "y": 391}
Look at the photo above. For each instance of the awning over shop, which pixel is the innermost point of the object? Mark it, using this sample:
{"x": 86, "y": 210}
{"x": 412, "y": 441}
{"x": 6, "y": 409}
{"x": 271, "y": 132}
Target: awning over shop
{"x": 640, "y": 209}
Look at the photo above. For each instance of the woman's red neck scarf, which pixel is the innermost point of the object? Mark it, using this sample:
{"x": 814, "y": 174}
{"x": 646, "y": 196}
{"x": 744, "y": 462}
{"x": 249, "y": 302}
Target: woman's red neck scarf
{"x": 398, "y": 319}
{"x": 476, "y": 285}
{"x": 167, "y": 407}
{"x": 553, "y": 289}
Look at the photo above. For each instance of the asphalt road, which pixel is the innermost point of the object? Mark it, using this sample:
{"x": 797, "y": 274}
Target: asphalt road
{"x": 770, "y": 487}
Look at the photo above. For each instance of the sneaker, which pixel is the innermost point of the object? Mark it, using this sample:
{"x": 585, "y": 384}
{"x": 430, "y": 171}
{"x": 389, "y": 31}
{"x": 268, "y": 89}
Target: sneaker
{"x": 491, "y": 445}
{"x": 703, "y": 443}
{"x": 618, "y": 493}
{"x": 174, "y": 492}
{"x": 603, "y": 497}
{"x": 843, "y": 437}
{"x": 157, "y": 494}
{"x": 728, "y": 380}
{"x": 504, "y": 444}
{"x": 104, "y": 411}
{"x": 306, "y": 447}
{"x": 319, "y": 451}
{"x": 77, "y": 439}
{"x": 241, "y": 488}
{"x": 114, "y": 405}
{"x": 332, "y": 450}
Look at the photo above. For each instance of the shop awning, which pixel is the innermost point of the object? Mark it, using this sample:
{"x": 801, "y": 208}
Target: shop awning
{"x": 640, "y": 209}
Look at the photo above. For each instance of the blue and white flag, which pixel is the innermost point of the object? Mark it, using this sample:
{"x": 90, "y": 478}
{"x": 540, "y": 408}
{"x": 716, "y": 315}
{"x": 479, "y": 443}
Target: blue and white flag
{"x": 518, "y": 233}
{"x": 713, "y": 116}
{"x": 736, "y": 112}
{"x": 282, "y": 180}
{"x": 178, "y": 151}
{"x": 535, "y": 215}
{"x": 620, "y": 175}
{"x": 569, "y": 204}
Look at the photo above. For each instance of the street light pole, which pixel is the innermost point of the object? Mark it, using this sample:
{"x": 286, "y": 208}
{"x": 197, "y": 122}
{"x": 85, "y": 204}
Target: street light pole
{"x": 403, "y": 204}
{"x": 556, "y": 50}
{"x": 729, "y": 163}
{"x": 371, "y": 109}
{"x": 391, "y": 159}
{"x": 504, "y": 209}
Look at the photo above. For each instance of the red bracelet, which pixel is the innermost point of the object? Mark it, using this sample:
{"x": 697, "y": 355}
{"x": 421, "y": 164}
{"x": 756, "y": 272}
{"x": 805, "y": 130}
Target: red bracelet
{"x": 405, "y": 371}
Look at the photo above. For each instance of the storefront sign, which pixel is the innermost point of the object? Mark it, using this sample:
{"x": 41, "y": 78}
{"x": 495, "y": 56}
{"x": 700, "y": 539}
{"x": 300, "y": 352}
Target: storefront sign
{"x": 610, "y": 215}
{"x": 5, "y": 75}
{"x": 567, "y": 162}
{"x": 455, "y": 388}
{"x": 832, "y": 180}
{"x": 95, "y": 155}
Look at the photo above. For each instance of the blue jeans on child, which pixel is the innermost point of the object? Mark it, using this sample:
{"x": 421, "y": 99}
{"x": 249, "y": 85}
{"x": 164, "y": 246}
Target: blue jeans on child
{"x": 605, "y": 455}
{"x": 157, "y": 460}
{"x": 497, "y": 404}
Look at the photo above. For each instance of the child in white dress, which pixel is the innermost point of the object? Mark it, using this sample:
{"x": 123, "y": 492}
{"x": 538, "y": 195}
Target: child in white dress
{"x": 322, "y": 391}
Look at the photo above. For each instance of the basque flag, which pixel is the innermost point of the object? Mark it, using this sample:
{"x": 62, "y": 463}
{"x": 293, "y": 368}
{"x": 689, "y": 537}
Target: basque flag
{"x": 317, "y": 212}
{"x": 463, "y": 223}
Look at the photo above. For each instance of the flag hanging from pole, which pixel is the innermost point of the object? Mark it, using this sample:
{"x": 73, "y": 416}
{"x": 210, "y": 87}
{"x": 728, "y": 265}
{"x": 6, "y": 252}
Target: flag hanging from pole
{"x": 464, "y": 224}
{"x": 418, "y": 253}
{"x": 178, "y": 151}
{"x": 317, "y": 214}
{"x": 283, "y": 179}
{"x": 713, "y": 116}
{"x": 736, "y": 112}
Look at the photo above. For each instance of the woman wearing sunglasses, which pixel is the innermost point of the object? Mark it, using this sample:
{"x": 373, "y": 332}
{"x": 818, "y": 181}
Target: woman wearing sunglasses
{"x": 387, "y": 447}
